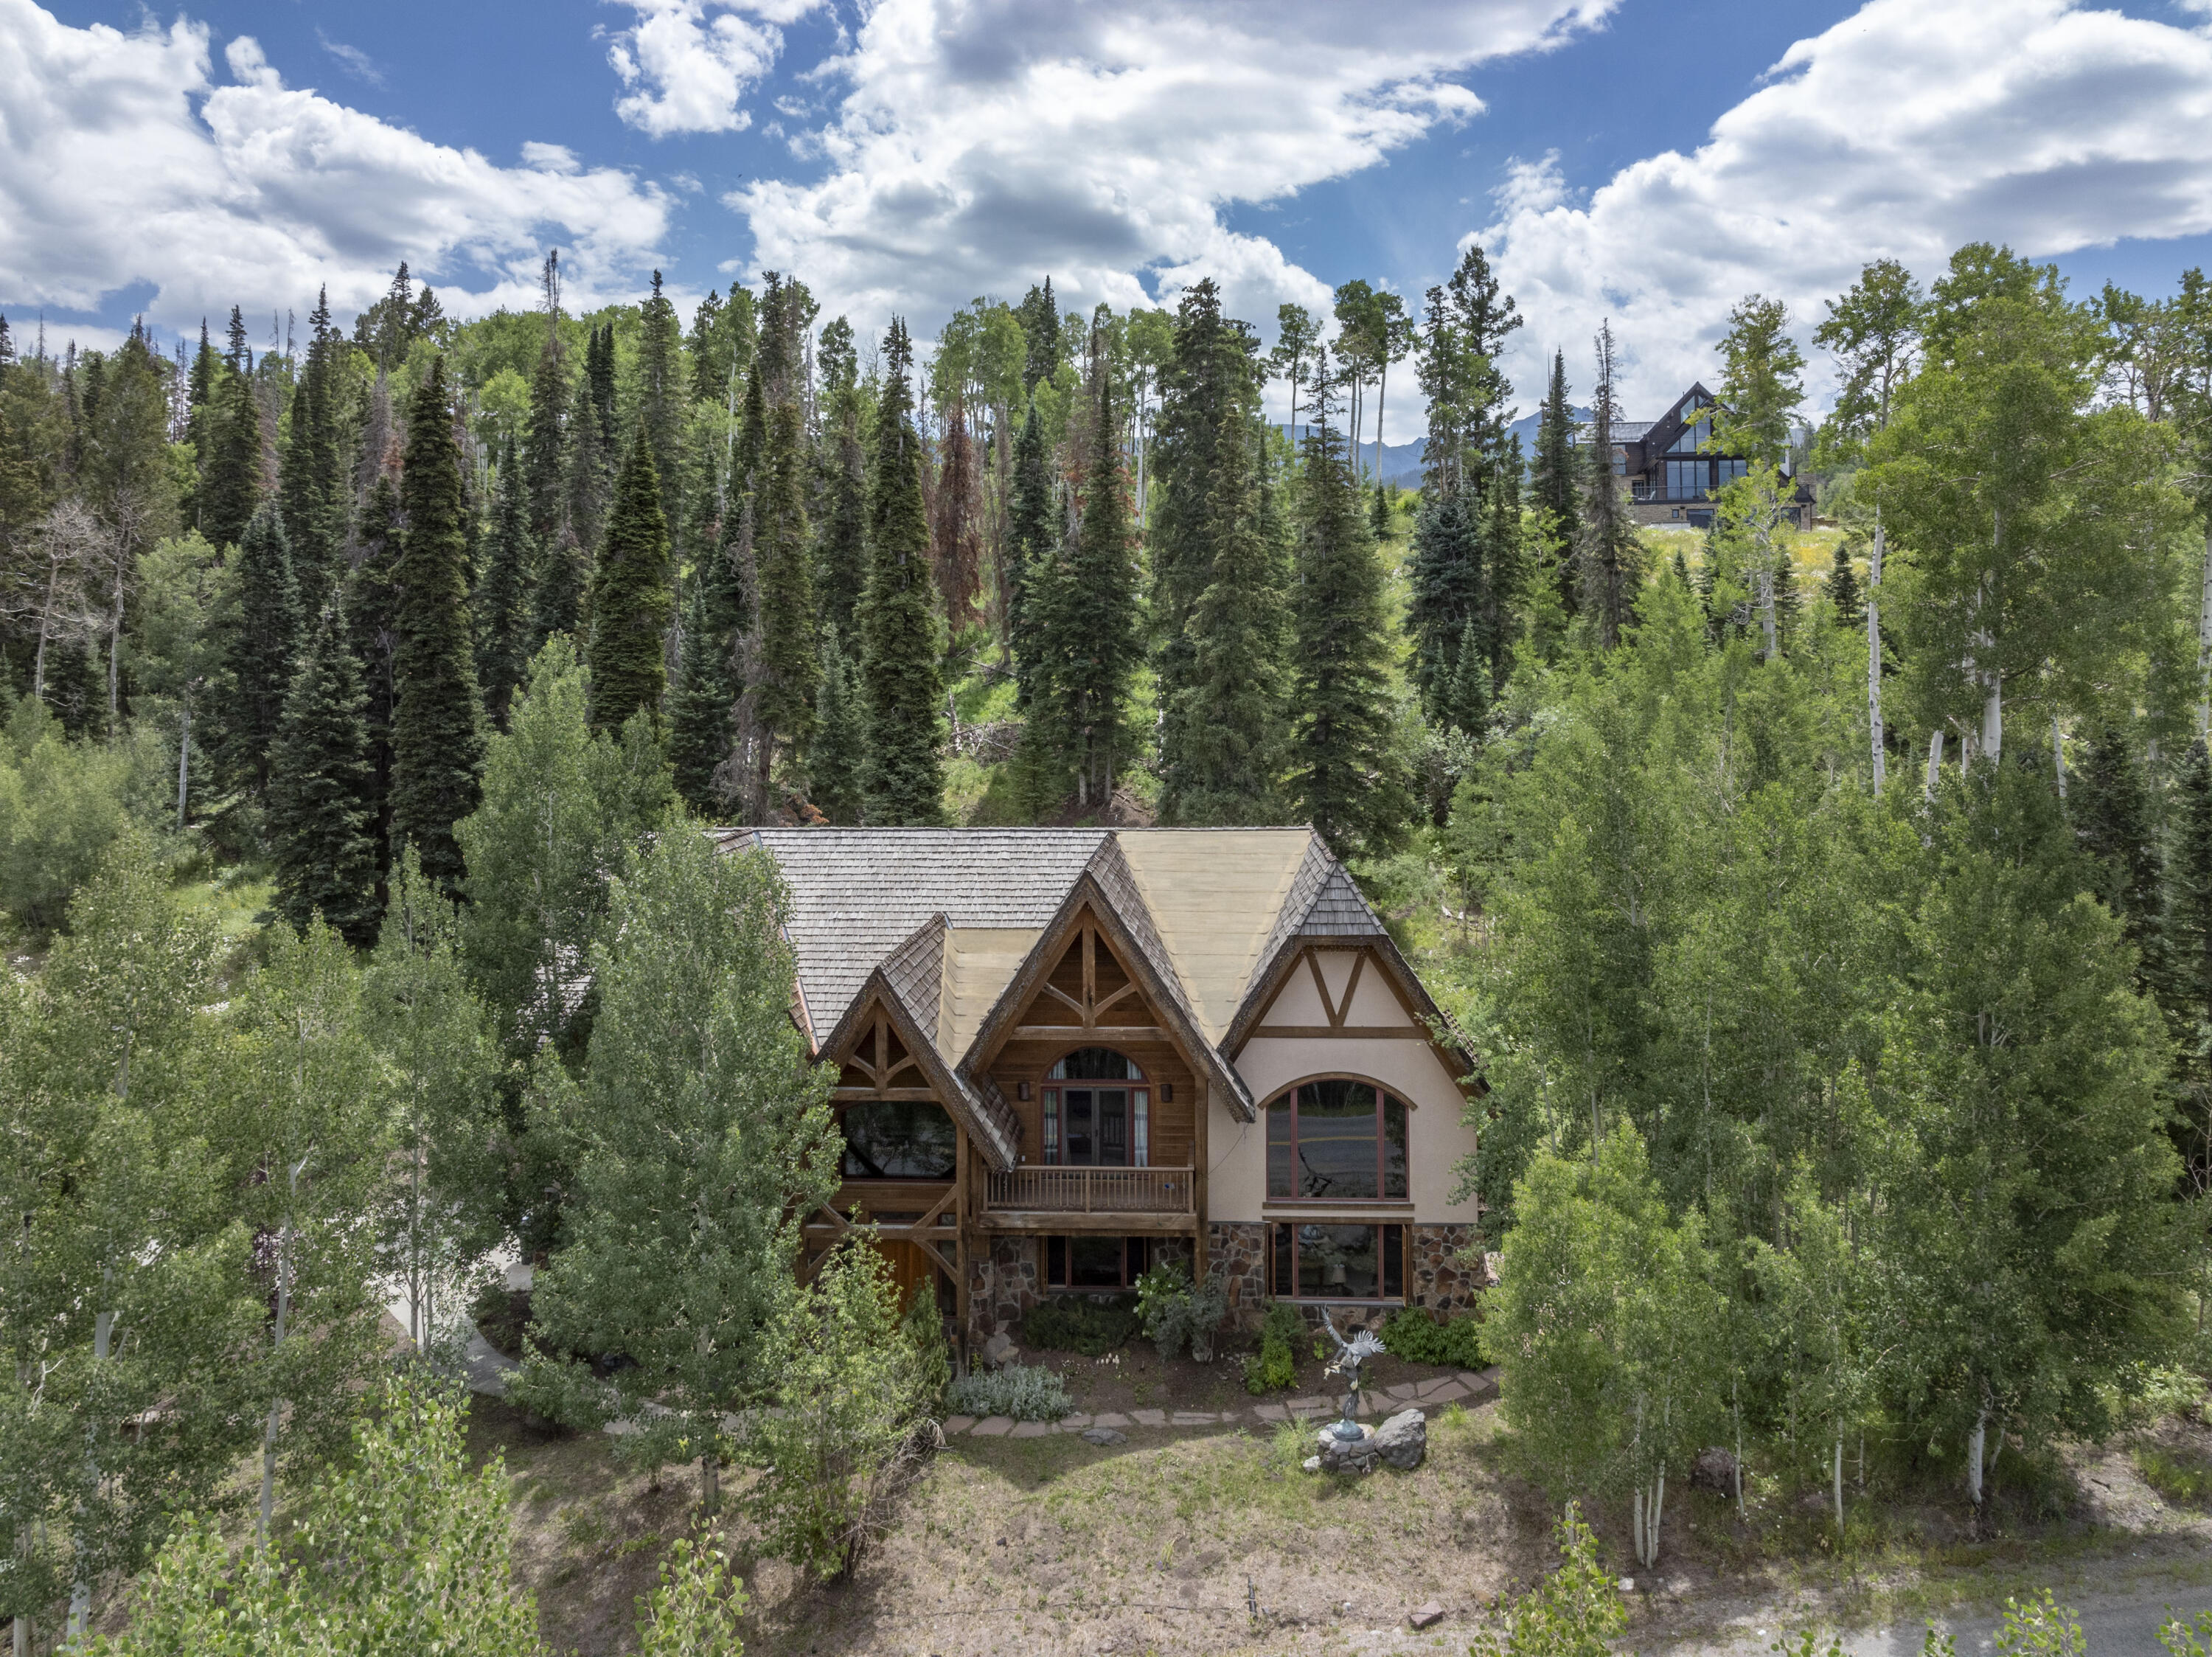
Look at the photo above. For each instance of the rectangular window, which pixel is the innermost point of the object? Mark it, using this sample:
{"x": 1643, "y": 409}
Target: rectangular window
{"x": 1140, "y": 1129}
{"x": 1337, "y": 1141}
{"x": 1051, "y": 1125}
{"x": 1328, "y": 1261}
{"x": 1732, "y": 469}
{"x": 1686, "y": 479}
{"x": 899, "y": 1139}
{"x": 1095, "y": 1262}
{"x": 1620, "y": 462}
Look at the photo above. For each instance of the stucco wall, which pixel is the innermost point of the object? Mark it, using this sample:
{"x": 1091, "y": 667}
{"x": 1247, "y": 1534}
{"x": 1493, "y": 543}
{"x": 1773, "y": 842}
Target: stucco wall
{"x": 1237, "y": 1182}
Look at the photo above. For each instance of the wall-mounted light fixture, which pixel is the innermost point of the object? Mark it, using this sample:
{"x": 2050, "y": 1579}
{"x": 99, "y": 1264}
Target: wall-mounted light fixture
{"x": 1167, "y": 1092}
{"x": 1022, "y": 1091}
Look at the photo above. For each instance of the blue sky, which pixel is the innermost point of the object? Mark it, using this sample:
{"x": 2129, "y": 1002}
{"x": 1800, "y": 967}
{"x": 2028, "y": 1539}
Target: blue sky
{"x": 1627, "y": 160}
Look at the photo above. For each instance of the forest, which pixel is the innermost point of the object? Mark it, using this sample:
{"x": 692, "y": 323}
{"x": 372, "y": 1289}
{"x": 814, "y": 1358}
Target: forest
{"x": 1827, "y": 891}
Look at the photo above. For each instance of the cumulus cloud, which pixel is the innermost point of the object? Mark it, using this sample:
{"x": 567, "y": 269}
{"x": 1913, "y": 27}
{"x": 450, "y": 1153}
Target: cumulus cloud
{"x": 1905, "y": 131}
{"x": 123, "y": 162}
{"x": 688, "y": 64}
{"x": 980, "y": 144}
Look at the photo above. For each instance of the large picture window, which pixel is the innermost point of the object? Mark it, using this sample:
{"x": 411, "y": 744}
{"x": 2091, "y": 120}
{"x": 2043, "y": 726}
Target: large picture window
{"x": 1095, "y": 1262}
{"x": 1329, "y": 1262}
{"x": 899, "y": 1139}
{"x": 1336, "y": 1140}
{"x": 1096, "y": 1115}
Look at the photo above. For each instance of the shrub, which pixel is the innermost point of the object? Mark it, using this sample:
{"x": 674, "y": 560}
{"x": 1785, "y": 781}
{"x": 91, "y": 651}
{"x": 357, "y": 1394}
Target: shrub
{"x": 1175, "y": 1314}
{"x": 62, "y": 804}
{"x": 1414, "y": 1336}
{"x": 2183, "y": 1481}
{"x": 1073, "y": 1323}
{"x": 1019, "y": 1389}
{"x": 1274, "y": 1368}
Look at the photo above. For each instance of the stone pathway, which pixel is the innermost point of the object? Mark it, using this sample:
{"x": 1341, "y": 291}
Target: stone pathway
{"x": 1466, "y": 1386}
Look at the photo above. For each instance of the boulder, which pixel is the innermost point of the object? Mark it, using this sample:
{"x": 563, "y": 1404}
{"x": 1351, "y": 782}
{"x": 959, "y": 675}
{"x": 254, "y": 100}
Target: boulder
{"x": 1104, "y": 1436}
{"x": 1402, "y": 1442}
{"x": 1427, "y": 1614}
{"x": 998, "y": 1350}
{"x": 1714, "y": 1470}
{"x": 1348, "y": 1455}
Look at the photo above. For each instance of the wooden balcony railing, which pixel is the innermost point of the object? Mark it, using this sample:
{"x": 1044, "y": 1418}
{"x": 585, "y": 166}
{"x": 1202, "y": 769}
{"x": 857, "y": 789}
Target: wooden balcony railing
{"x": 1091, "y": 1190}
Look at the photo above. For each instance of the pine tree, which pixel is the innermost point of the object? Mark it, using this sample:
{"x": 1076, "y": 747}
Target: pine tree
{"x": 835, "y": 763}
{"x": 2111, "y": 811}
{"x": 561, "y": 601}
{"x": 1031, "y": 544}
{"x": 260, "y": 654}
{"x": 842, "y": 563}
{"x": 630, "y": 597}
{"x": 1345, "y": 776}
{"x": 310, "y": 476}
{"x": 2188, "y": 962}
{"x": 663, "y": 391}
{"x": 1556, "y": 483}
{"x": 1842, "y": 590}
{"x": 320, "y": 793}
{"x": 1610, "y": 556}
{"x": 230, "y": 480}
{"x": 902, "y": 780}
{"x": 699, "y": 711}
{"x": 502, "y": 596}
{"x": 1448, "y": 581}
{"x": 1039, "y": 315}
{"x": 372, "y": 620}
{"x": 545, "y": 444}
{"x": 437, "y": 735}
{"x": 1218, "y": 598}
{"x": 785, "y": 667}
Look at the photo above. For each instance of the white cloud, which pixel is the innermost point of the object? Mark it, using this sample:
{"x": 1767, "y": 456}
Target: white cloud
{"x": 1905, "y": 131}
{"x": 981, "y": 144}
{"x": 358, "y": 63}
{"x": 689, "y": 63}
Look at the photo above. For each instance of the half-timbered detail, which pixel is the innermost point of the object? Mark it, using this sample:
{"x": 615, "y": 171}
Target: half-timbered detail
{"x": 1064, "y": 1054}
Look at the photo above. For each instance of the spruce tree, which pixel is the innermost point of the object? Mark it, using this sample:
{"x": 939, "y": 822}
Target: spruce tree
{"x": 2111, "y": 814}
{"x": 1556, "y": 481}
{"x": 561, "y": 603}
{"x": 783, "y": 661}
{"x": 2188, "y": 962}
{"x": 1345, "y": 776}
{"x": 311, "y": 474}
{"x": 437, "y": 735}
{"x": 663, "y": 391}
{"x": 902, "y": 780}
{"x": 1609, "y": 553}
{"x": 843, "y": 563}
{"x": 630, "y": 597}
{"x": 699, "y": 711}
{"x": 503, "y": 591}
{"x": 1447, "y": 586}
{"x": 1842, "y": 590}
{"x": 372, "y": 621}
{"x": 545, "y": 442}
{"x": 834, "y": 764}
{"x": 320, "y": 796}
{"x": 1032, "y": 541}
{"x": 261, "y": 653}
{"x": 230, "y": 480}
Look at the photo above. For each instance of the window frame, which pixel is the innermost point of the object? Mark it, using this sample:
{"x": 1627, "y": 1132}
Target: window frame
{"x": 1382, "y": 1097}
{"x": 1136, "y": 1258}
{"x": 846, "y": 1149}
{"x": 1390, "y": 1251}
{"x": 1137, "y": 1137}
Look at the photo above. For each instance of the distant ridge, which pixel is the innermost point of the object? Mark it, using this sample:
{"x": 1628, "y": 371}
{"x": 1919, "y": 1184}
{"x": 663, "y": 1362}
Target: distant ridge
{"x": 1401, "y": 462}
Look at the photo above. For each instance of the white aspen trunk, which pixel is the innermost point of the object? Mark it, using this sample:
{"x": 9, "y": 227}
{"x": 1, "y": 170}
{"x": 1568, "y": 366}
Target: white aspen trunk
{"x": 80, "y": 1608}
{"x": 1658, "y": 1512}
{"x": 1636, "y": 1519}
{"x": 1874, "y": 654}
{"x": 1975, "y": 1440}
{"x": 1382, "y": 397}
{"x": 1934, "y": 763}
{"x": 1992, "y": 743}
{"x": 1839, "y": 1484}
{"x": 2058, "y": 756}
{"x": 2204, "y": 639}
{"x": 710, "y": 1479}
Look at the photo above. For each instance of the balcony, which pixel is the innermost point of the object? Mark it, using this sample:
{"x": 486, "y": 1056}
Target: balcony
{"x": 1058, "y": 1199}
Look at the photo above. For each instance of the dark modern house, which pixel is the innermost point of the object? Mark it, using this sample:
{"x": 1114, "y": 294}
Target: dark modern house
{"x": 1673, "y": 477}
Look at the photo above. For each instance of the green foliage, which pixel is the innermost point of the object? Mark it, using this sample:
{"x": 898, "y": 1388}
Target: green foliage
{"x": 503, "y": 590}
{"x": 785, "y": 667}
{"x": 404, "y": 1551}
{"x": 901, "y": 682}
{"x": 437, "y": 737}
{"x": 2183, "y": 1480}
{"x": 851, "y": 1421}
{"x": 2190, "y": 1639}
{"x": 836, "y": 762}
{"x": 696, "y": 1608}
{"x": 260, "y": 652}
{"x": 1762, "y": 382}
{"x": 62, "y": 805}
{"x": 2040, "y": 1628}
{"x": 1176, "y": 1314}
{"x": 630, "y": 597}
{"x": 1274, "y": 1368}
{"x": 1419, "y": 1337}
{"x": 1081, "y": 1323}
{"x": 1019, "y": 1390}
{"x": 1576, "y": 1611}
{"x": 320, "y": 793}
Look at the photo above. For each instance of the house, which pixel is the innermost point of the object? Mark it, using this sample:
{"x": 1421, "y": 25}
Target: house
{"x": 1672, "y": 479}
{"x": 1065, "y": 1054}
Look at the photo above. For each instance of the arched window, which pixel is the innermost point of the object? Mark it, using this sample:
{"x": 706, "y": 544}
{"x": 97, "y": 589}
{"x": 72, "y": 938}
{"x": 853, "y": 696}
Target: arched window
{"x": 1096, "y": 1112}
{"x": 1336, "y": 1139}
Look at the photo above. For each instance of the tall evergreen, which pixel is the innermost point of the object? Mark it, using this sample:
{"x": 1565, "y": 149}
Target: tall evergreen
{"x": 1609, "y": 555}
{"x": 783, "y": 661}
{"x": 1555, "y": 481}
{"x": 1219, "y": 605}
{"x": 1039, "y": 315}
{"x": 630, "y": 597}
{"x": 561, "y": 602}
{"x": 545, "y": 440}
{"x": 1448, "y": 578}
{"x": 1345, "y": 775}
{"x": 2189, "y": 961}
{"x": 902, "y": 676}
{"x": 663, "y": 390}
{"x": 1032, "y": 542}
{"x": 261, "y": 653}
{"x": 1843, "y": 589}
{"x": 320, "y": 796}
{"x": 842, "y": 561}
{"x": 311, "y": 474}
{"x": 372, "y": 620}
{"x": 834, "y": 763}
{"x": 230, "y": 480}
{"x": 699, "y": 710}
{"x": 503, "y": 590}
{"x": 437, "y": 735}
{"x": 2111, "y": 813}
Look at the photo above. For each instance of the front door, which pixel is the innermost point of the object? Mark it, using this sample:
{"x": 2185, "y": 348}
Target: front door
{"x": 1097, "y": 1126}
